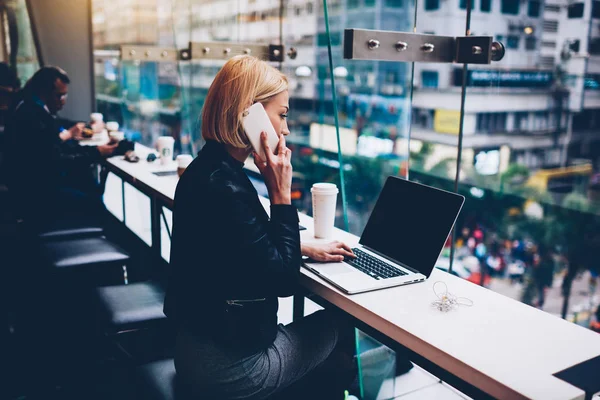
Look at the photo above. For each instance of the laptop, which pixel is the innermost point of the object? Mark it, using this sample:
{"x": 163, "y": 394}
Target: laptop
{"x": 401, "y": 242}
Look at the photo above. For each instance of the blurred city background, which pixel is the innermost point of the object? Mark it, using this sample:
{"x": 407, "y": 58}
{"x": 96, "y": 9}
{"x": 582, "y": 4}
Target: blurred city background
{"x": 530, "y": 149}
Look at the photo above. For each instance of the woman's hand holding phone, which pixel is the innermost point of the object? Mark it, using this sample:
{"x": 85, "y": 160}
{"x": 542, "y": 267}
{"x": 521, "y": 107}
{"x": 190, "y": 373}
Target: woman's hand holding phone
{"x": 276, "y": 170}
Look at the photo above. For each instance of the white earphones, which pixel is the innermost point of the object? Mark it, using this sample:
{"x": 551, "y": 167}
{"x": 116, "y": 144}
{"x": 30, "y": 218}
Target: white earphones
{"x": 447, "y": 301}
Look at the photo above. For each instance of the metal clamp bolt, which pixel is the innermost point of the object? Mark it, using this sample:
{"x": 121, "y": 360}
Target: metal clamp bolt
{"x": 401, "y": 46}
{"x": 497, "y": 51}
{"x": 427, "y": 48}
{"x": 477, "y": 50}
{"x": 292, "y": 53}
{"x": 373, "y": 44}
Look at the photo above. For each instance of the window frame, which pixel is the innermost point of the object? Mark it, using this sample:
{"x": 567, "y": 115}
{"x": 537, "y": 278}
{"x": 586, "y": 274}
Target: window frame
{"x": 434, "y": 75}
{"x": 507, "y": 10}
{"x": 428, "y": 3}
{"x": 575, "y": 11}
{"x": 534, "y": 12}
{"x": 516, "y": 39}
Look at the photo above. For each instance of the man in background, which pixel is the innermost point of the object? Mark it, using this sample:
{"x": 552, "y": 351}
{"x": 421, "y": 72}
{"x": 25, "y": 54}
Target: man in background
{"x": 51, "y": 173}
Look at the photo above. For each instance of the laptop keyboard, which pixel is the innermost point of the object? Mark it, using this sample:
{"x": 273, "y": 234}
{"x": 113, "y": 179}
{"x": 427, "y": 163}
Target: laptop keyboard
{"x": 373, "y": 266}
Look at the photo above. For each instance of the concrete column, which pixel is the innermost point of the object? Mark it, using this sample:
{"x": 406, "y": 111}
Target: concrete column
{"x": 64, "y": 35}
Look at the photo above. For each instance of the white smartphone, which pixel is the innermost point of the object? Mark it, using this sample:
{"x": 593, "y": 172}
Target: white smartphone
{"x": 254, "y": 121}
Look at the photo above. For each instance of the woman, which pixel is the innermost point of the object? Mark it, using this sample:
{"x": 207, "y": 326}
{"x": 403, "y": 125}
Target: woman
{"x": 231, "y": 262}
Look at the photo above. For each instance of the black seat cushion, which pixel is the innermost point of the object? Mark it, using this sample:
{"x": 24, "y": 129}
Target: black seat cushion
{"x": 69, "y": 228}
{"x": 156, "y": 380}
{"x": 83, "y": 252}
{"x": 131, "y": 306}
{"x": 72, "y": 232}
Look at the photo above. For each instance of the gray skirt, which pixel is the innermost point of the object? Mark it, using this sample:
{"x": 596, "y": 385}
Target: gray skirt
{"x": 298, "y": 354}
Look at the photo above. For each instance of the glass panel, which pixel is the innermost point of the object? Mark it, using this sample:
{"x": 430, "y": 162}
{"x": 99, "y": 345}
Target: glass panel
{"x": 529, "y": 166}
{"x": 165, "y": 233}
{"x": 144, "y": 97}
{"x": 22, "y": 53}
{"x": 137, "y": 213}
{"x": 377, "y": 367}
{"x": 373, "y": 103}
{"x": 19, "y": 61}
{"x": 113, "y": 196}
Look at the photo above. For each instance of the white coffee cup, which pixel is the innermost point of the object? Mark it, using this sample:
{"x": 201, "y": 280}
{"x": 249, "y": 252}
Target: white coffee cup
{"x": 116, "y": 135}
{"x": 165, "y": 146}
{"x": 112, "y": 126}
{"x": 183, "y": 160}
{"x": 324, "y": 199}
{"x": 97, "y": 122}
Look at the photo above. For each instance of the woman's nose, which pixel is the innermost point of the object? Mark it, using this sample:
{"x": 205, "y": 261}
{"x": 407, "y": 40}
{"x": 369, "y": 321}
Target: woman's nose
{"x": 284, "y": 129}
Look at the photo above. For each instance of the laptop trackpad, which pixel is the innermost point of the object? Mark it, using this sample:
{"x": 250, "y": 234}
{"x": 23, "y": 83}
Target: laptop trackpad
{"x": 332, "y": 269}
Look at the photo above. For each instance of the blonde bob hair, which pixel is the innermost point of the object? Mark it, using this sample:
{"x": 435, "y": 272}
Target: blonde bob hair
{"x": 243, "y": 81}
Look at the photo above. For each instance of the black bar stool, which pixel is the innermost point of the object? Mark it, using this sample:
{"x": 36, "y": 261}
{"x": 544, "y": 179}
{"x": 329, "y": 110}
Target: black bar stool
{"x": 94, "y": 259}
{"x": 70, "y": 229}
{"x": 124, "y": 308}
{"x": 131, "y": 318}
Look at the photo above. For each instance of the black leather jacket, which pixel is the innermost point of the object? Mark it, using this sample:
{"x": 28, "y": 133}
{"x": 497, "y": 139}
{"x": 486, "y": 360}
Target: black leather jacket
{"x": 229, "y": 261}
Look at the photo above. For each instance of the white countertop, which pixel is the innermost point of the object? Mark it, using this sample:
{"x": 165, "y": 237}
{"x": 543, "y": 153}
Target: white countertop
{"x": 500, "y": 345}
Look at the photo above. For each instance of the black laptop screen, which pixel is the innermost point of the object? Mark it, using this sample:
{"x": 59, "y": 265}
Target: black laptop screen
{"x": 411, "y": 222}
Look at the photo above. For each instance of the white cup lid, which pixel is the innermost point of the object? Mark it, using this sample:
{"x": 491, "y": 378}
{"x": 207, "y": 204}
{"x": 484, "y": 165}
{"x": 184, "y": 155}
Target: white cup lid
{"x": 183, "y": 160}
{"x": 97, "y": 116}
{"x": 112, "y": 126}
{"x": 324, "y": 187}
{"x": 166, "y": 139}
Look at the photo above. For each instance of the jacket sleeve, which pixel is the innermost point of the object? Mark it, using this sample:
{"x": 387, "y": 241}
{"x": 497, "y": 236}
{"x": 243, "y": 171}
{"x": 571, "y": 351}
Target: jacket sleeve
{"x": 273, "y": 246}
{"x": 70, "y": 152}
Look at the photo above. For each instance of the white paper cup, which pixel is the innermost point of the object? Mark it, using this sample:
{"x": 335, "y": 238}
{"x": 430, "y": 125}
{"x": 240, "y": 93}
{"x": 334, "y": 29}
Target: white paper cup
{"x": 183, "y": 160}
{"x": 117, "y": 136}
{"x": 165, "y": 146}
{"x": 112, "y": 126}
{"x": 324, "y": 198}
{"x": 96, "y": 117}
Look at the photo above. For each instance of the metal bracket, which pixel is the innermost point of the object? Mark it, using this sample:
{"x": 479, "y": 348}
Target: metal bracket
{"x": 101, "y": 55}
{"x": 364, "y": 44}
{"x": 149, "y": 53}
{"x": 197, "y": 51}
{"x": 226, "y": 50}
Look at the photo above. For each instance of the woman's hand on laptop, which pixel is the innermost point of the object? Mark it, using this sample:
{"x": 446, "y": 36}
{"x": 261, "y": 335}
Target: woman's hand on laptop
{"x": 327, "y": 252}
